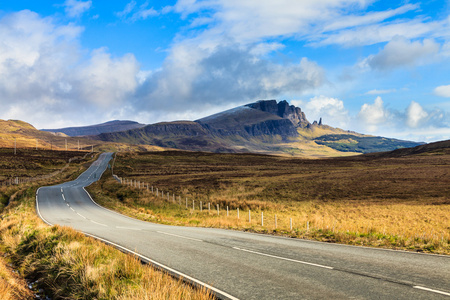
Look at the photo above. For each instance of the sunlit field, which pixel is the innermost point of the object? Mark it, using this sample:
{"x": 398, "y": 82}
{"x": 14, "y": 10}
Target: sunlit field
{"x": 400, "y": 203}
{"x": 57, "y": 261}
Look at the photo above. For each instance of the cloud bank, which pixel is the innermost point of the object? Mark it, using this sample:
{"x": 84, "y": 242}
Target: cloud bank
{"x": 47, "y": 79}
{"x": 414, "y": 122}
{"x": 227, "y": 53}
{"x": 43, "y": 66}
{"x": 400, "y": 52}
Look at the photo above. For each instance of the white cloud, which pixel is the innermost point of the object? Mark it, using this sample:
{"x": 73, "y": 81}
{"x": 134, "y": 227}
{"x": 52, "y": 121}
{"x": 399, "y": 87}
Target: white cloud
{"x": 106, "y": 81}
{"x": 415, "y": 115}
{"x": 414, "y": 123}
{"x": 76, "y": 8}
{"x": 265, "y": 48}
{"x": 442, "y": 91}
{"x": 127, "y": 10}
{"x": 223, "y": 75}
{"x": 378, "y": 33}
{"x": 45, "y": 78}
{"x": 379, "y": 92}
{"x": 331, "y": 110}
{"x": 145, "y": 13}
{"x": 367, "y": 19}
{"x": 253, "y": 20}
{"x": 400, "y": 52}
{"x": 133, "y": 13}
{"x": 373, "y": 115}
{"x": 445, "y": 51}
{"x": 319, "y": 22}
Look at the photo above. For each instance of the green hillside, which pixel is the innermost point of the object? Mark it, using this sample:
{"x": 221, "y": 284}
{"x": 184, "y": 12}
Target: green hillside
{"x": 362, "y": 144}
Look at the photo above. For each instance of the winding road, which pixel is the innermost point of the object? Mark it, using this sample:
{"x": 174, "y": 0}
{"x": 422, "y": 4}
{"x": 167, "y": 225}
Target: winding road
{"x": 238, "y": 265}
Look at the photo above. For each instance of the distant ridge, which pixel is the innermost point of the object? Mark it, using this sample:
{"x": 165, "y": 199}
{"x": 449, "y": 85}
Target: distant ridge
{"x": 16, "y": 133}
{"x": 264, "y": 126}
{"x": 111, "y": 126}
{"x": 441, "y": 147}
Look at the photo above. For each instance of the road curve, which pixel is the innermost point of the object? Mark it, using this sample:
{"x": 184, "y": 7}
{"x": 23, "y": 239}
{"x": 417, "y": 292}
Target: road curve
{"x": 238, "y": 265}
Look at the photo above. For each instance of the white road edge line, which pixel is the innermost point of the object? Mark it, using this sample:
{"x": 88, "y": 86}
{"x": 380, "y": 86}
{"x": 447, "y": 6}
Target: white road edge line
{"x": 38, "y": 211}
{"x": 431, "y": 290}
{"x": 193, "y": 279}
{"x": 181, "y": 275}
{"x": 183, "y": 237}
{"x": 98, "y": 223}
{"x": 177, "y": 273}
{"x": 284, "y": 258}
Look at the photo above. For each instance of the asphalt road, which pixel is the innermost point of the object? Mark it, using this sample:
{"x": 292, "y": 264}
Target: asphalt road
{"x": 240, "y": 265}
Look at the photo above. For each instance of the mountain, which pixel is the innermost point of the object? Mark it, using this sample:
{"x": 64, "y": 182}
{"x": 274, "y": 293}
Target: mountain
{"x": 362, "y": 144}
{"x": 23, "y": 135}
{"x": 15, "y": 133}
{"x": 265, "y": 126}
{"x": 265, "y": 117}
{"x": 186, "y": 135}
{"x": 111, "y": 126}
{"x": 436, "y": 148}
{"x": 283, "y": 110}
{"x": 247, "y": 122}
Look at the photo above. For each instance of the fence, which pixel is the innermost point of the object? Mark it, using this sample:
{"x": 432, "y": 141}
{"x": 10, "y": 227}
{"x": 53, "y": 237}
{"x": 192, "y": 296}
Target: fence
{"x": 193, "y": 205}
{"x": 279, "y": 221}
{"x": 24, "y": 180}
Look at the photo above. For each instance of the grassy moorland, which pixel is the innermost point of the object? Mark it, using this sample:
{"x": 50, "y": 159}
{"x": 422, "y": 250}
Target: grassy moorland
{"x": 25, "y": 136}
{"x": 12, "y": 286}
{"x": 29, "y": 165}
{"x": 60, "y": 262}
{"x": 381, "y": 201}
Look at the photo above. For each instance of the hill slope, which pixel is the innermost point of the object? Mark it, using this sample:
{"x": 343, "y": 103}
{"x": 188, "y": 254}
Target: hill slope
{"x": 111, "y": 126}
{"x": 436, "y": 148}
{"x": 24, "y": 135}
{"x": 265, "y": 126}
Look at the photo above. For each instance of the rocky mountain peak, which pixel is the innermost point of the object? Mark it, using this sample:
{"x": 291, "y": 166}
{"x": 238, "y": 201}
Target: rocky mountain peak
{"x": 283, "y": 110}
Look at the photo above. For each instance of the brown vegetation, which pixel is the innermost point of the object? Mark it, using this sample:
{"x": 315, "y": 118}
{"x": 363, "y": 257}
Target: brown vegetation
{"x": 397, "y": 203}
{"x": 70, "y": 265}
{"x": 25, "y": 136}
{"x": 12, "y": 286}
{"x": 62, "y": 263}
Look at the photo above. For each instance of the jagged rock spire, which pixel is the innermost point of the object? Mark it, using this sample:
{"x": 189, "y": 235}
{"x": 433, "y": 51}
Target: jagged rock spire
{"x": 283, "y": 110}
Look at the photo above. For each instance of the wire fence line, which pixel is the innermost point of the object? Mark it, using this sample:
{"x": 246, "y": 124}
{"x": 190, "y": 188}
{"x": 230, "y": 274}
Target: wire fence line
{"x": 252, "y": 217}
{"x": 274, "y": 221}
{"x": 23, "y": 180}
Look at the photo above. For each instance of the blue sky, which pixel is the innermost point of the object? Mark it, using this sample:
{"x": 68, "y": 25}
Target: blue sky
{"x": 376, "y": 67}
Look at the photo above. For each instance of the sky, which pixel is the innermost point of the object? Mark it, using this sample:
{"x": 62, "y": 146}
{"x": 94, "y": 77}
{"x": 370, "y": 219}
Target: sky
{"x": 375, "y": 67}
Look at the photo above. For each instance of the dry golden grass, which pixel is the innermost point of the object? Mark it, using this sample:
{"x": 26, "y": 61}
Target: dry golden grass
{"x": 70, "y": 265}
{"x": 399, "y": 203}
{"x": 408, "y": 226}
{"x": 25, "y": 136}
{"x": 63, "y": 262}
{"x": 12, "y": 286}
